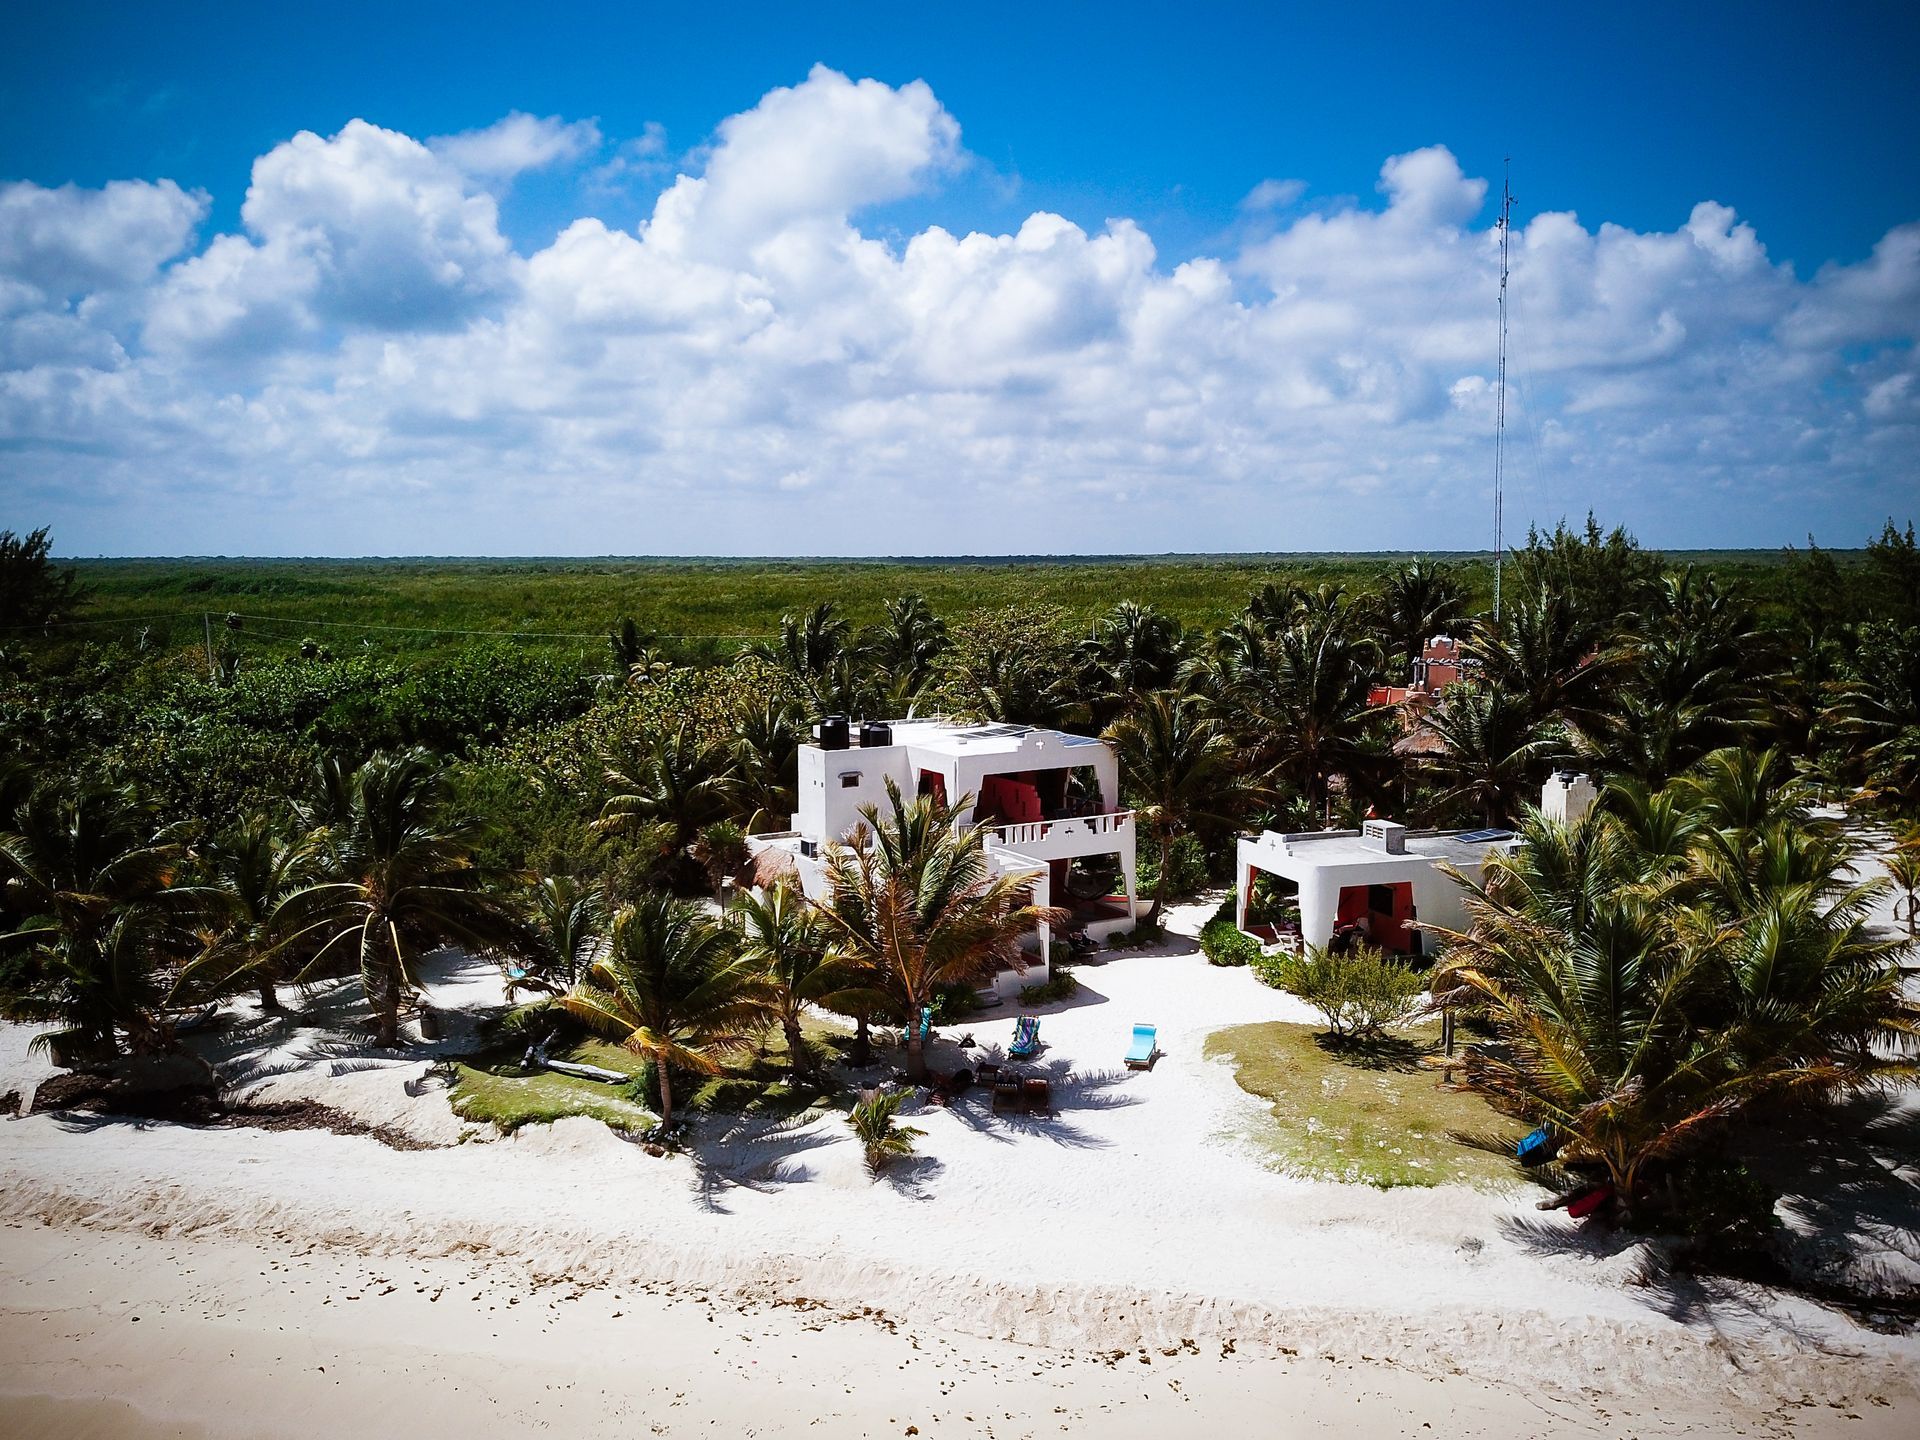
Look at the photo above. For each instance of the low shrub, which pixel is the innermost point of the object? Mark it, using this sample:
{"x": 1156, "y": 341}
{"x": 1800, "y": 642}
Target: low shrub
{"x": 954, "y": 1002}
{"x": 1059, "y": 986}
{"x": 1360, "y": 995}
{"x": 872, "y": 1121}
{"x": 1224, "y": 943}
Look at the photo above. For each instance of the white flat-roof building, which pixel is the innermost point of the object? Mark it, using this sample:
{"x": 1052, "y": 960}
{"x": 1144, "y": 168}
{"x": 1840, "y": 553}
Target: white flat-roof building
{"x": 1369, "y": 882}
{"x": 1048, "y": 798}
{"x": 1373, "y": 881}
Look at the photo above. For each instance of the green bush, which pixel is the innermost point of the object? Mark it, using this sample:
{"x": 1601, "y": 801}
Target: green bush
{"x": 1223, "y": 943}
{"x": 1059, "y": 986}
{"x": 1186, "y": 868}
{"x": 954, "y": 1002}
{"x": 1360, "y": 995}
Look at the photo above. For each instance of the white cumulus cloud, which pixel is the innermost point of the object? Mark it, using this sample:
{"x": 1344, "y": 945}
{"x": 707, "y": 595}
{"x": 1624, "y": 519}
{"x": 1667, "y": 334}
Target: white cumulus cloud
{"x": 368, "y": 363}
{"x": 516, "y": 143}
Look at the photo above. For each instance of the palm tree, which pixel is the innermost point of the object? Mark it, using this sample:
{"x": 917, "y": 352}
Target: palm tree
{"x": 809, "y": 646}
{"x": 1548, "y": 653}
{"x": 721, "y": 850}
{"x": 905, "y": 646}
{"x": 567, "y": 924}
{"x": 915, "y": 907}
{"x": 1643, "y": 996}
{"x": 786, "y": 938}
{"x": 882, "y": 1139}
{"x": 1301, "y": 696}
{"x": 1493, "y": 750}
{"x": 395, "y": 877}
{"x": 1010, "y": 687}
{"x": 674, "y": 989}
{"x": 678, "y": 779}
{"x": 1420, "y": 600}
{"x": 106, "y": 927}
{"x": 1181, "y": 770}
{"x": 1903, "y": 869}
{"x": 249, "y": 870}
{"x": 1688, "y": 683}
{"x": 636, "y": 657}
{"x": 766, "y": 752}
{"x": 1134, "y": 649}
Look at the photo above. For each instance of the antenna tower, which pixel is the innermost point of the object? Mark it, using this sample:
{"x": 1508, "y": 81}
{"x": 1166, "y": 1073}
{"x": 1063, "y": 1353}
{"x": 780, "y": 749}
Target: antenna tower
{"x": 1500, "y": 400}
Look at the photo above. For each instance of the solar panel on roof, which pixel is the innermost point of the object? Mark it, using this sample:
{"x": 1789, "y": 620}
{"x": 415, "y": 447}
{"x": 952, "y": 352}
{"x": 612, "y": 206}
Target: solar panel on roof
{"x": 1479, "y": 836}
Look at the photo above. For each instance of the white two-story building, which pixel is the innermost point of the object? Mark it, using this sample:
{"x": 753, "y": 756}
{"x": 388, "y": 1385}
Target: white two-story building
{"x": 1050, "y": 800}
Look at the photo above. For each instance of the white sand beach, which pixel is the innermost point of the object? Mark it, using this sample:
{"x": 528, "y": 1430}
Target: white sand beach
{"x": 1127, "y": 1266}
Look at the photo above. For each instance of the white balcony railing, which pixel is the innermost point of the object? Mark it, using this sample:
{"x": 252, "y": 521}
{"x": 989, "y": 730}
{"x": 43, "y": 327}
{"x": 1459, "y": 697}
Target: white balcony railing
{"x": 1069, "y": 829}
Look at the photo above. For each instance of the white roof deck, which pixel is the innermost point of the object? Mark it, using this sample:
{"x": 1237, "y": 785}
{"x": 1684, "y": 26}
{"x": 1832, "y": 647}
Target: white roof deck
{"x": 1314, "y": 848}
{"x": 961, "y": 737}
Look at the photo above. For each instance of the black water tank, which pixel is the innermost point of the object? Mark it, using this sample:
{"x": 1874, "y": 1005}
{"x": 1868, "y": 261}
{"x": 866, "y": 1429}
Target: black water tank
{"x": 875, "y": 734}
{"x": 830, "y": 733}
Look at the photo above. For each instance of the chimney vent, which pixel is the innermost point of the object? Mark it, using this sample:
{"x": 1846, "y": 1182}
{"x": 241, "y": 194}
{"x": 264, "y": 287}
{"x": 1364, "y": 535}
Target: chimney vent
{"x": 1387, "y": 835}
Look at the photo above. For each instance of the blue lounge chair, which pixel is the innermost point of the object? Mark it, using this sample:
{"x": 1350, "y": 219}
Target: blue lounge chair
{"x": 1026, "y": 1038}
{"x": 1140, "y": 1056}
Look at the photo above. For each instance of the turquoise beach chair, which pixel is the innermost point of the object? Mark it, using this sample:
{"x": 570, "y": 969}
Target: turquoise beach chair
{"x": 1026, "y": 1038}
{"x": 1140, "y": 1056}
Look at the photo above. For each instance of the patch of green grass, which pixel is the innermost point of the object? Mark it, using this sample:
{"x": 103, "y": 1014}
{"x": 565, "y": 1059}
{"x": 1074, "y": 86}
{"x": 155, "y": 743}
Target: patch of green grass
{"x": 503, "y": 1093}
{"x": 510, "y": 1097}
{"x": 1372, "y": 1116}
{"x": 759, "y": 1082}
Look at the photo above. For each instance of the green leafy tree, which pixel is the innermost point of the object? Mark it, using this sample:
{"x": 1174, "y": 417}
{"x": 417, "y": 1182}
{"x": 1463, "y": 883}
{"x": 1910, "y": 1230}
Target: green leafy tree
{"x": 1013, "y": 665}
{"x": 1644, "y": 996}
{"x": 882, "y": 1138}
{"x": 766, "y": 762}
{"x": 394, "y": 878}
{"x": 810, "y": 648}
{"x": 787, "y": 939}
{"x": 1420, "y": 599}
{"x": 1687, "y": 684}
{"x": 566, "y": 925}
{"x": 905, "y": 646}
{"x": 680, "y": 779}
{"x": 673, "y": 988}
{"x": 247, "y": 871}
{"x": 1299, "y": 697}
{"x": 107, "y": 927}
{"x": 913, "y": 907}
{"x": 1132, "y": 651}
{"x": 1492, "y": 750}
{"x": 33, "y": 590}
{"x": 1181, "y": 771}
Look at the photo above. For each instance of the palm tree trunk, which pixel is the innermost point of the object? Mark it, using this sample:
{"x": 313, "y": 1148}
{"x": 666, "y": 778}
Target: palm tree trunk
{"x": 381, "y": 976}
{"x": 269, "y": 996}
{"x": 666, "y": 1096}
{"x": 796, "y": 1047}
{"x": 916, "y": 1050}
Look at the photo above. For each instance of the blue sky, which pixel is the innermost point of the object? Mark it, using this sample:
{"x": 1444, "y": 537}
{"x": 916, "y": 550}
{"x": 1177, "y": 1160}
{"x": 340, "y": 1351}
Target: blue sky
{"x": 226, "y": 378}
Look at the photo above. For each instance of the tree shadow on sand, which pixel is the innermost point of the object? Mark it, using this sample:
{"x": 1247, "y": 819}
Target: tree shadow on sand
{"x": 747, "y": 1152}
{"x": 1086, "y": 1091}
{"x": 1848, "y": 1177}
